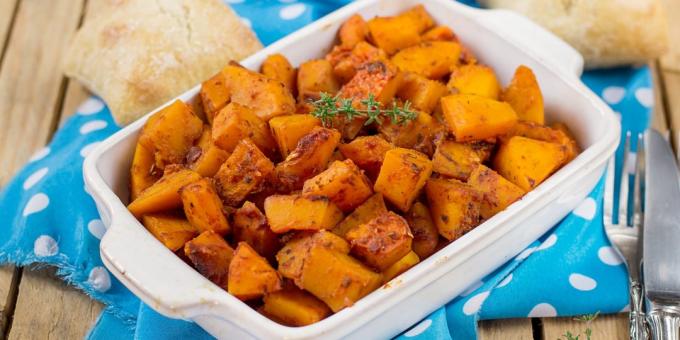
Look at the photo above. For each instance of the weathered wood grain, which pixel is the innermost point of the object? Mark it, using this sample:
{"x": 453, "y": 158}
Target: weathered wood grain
{"x": 509, "y": 329}
{"x": 671, "y": 61}
{"x": 7, "y": 11}
{"x": 603, "y": 327}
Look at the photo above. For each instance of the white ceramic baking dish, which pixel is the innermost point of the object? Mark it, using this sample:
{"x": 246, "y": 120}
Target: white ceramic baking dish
{"x": 501, "y": 39}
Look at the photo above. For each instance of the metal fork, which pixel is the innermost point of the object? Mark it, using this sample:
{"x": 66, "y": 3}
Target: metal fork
{"x": 625, "y": 233}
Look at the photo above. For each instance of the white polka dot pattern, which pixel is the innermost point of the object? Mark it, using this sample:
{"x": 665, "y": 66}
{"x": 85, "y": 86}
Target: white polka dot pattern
{"x": 45, "y": 246}
{"x": 293, "y": 11}
{"x": 419, "y": 328}
{"x": 36, "y": 203}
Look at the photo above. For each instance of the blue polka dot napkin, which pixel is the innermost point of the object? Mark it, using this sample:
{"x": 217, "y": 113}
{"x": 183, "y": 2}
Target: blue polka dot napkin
{"x": 51, "y": 219}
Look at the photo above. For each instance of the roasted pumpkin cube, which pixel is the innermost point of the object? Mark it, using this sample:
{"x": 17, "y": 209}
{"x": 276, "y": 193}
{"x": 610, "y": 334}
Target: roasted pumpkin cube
{"x": 301, "y": 212}
{"x": 294, "y": 307}
{"x": 250, "y": 226}
{"x": 432, "y": 59}
{"x": 423, "y": 93}
{"x": 402, "y": 175}
{"x": 287, "y": 130}
{"x": 353, "y": 31}
{"x": 475, "y": 79}
{"x": 370, "y": 209}
{"x": 267, "y": 97}
{"x": 314, "y": 77}
{"x": 310, "y": 157}
{"x": 414, "y": 134}
{"x": 292, "y": 256}
{"x": 170, "y": 133}
{"x": 573, "y": 148}
{"x": 455, "y": 206}
{"x": 250, "y": 275}
{"x": 497, "y": 192}
{"x": 214, "y": 96}
{"x": 470, "y": 117}
{"x": 173, "y": 231}
{"x": 425, "y": 233}
{"x": 236, "y": 122}
{"x": 164, "y": 194}
{"x": 528, "y": 162}
{"x": 337, "y": 279}
{"x": 143, "y": 172}
{"x": 367, "y": 152}
{"x": 439, "y": 33}
{"x": 524, "y": 95}
{"x": 457, "y": 160}
{"x": 405, "y": 263}
{"x": 418, "y": 17}
{"x": 382, "y": 241}
{"x": 244, "y": 172}
{"x": 206, "y": 158}
{"x": 346, "y": 62}
{"x": 203, "y": 206}
{"x": 547, "y": 134}
{"x": 392, "y": 34}
{"x": 277, "y": 67}
{"x": 343, "y": 182}
{"x": 211, "y": 255}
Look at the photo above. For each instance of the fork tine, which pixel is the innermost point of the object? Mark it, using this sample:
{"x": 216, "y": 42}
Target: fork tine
{"x": 623, "y": 184}
{"x": 638, "y": 182}
{"x": 608, "y": 199}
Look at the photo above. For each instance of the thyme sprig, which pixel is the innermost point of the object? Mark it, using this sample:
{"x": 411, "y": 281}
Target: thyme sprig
{"x": 327, "y": 107}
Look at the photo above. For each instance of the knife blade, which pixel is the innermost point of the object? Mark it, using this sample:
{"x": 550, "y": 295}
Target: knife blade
{"x": 661, "y": 237}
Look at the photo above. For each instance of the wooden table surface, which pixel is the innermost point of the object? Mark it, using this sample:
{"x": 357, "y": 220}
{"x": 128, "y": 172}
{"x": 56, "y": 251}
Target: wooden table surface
{"x": 35, "y": 98}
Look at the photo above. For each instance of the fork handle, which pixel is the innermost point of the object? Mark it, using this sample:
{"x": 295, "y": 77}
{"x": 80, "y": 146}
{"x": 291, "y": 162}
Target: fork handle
{"x": 638, "y": 327}
{"x": 664, "y": 322}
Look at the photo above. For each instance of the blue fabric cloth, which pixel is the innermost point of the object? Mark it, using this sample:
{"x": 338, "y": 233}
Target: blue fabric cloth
{"x": 50, "y": 219}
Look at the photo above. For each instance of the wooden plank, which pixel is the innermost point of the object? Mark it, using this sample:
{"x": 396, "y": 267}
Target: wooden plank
{"x": 659, "y": 117}
{"x": 671, "y": 83}
{"x": 9, "y": 282}
{"x": 507, "y": 329}
{"x": 603, "y": 327}
{"x": 7, "y": 11}
{"x": 671, "y": 61}
{"x": 50, "y": 309}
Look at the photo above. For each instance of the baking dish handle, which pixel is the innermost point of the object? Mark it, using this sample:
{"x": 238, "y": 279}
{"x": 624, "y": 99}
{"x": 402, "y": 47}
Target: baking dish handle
{"x": 535, "y": 40}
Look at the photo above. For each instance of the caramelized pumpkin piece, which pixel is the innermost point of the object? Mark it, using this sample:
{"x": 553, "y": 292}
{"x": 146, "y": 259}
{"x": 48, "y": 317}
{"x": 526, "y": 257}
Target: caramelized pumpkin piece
{"x": 397, "y": 32}
{"x": 292, "y": 256}
{"x": 524, "y": 95}
{"x": 370, "y": 209}
{"x": 353, "y": 31}
{"x": 277, "y": 67}
{"x": 203, "y": 207}
{"x": 536, "y": 131}
{"x": 171, "y": 132}
{"x": 367, "y": 152}
{"x": 528, "y": 162}
{"x": 294, "y": 307}
{"x": 164, "y": 194}
{"x": 236, "y": 122}
{"x": 402, "y": 175}
{"x": 143, "y": 172}
{"x": 288, "y": 130}
{"x": 418, "y": 17}
{"x": 382, "y": 241}
{"x": 250, "y": 226}
{"x": 267, "y": 97}
{"x": 457, "y": 160}
{"x": 336, "y": 278}
{"x": 497, "y": 192}
{"x": 300, "y": 212}
{"x": 425, "y": 234}
{"x": 214, "y": 96}
{"x": 455, "y": 206}
{"x": 250, "y": 275}
{"x": 173, "y": 231}
{"x": 310, "y": 157}
{"x": 346, "y": 62}
{"x": 415, "y": 134}
{"x": 470, "y": 117}
{"x": 244, "y": 172}
{"x": 439, "y": 33}
{"x": 314, "y": 77}
{"x": 432, "y": 59}
{"x": 475, "y": 79}
{"x": 423, "y": 93}
{"x": 405, "y": 263}
{"x": 343, "y": 183}
{"x": 206, "y": 158}
{"x": 211, "y": 255}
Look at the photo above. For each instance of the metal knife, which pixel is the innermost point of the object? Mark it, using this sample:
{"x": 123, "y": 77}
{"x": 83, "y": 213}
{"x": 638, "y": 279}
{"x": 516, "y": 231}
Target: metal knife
{"x": 661, "y": 238}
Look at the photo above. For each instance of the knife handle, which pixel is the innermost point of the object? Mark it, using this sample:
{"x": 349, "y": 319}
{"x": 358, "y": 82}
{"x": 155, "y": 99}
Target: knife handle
{"x": 664, "y": 322}
{"x": 638, "y": 328}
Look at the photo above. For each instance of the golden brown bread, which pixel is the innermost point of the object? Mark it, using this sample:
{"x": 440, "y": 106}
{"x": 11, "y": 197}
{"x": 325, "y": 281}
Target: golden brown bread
{"x": 139, "y": 54}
